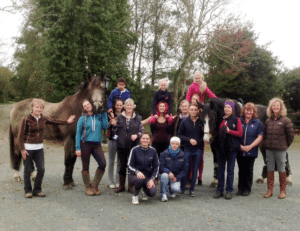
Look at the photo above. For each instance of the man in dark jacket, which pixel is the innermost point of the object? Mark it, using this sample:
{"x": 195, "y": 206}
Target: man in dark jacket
{"x": 191, "y": 134}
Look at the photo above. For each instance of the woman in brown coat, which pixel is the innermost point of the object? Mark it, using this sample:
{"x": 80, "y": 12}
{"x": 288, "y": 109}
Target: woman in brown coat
{"x": 279, "y": 135}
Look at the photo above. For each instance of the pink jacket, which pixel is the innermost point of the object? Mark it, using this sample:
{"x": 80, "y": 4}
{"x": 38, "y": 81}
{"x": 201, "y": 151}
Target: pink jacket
{"x": 194, "y": 89}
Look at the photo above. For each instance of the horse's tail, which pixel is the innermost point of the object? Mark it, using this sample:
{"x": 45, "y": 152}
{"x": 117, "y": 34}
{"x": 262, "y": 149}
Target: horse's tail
{"x": 15, "y": 160}
{"x": 222, "y": 142}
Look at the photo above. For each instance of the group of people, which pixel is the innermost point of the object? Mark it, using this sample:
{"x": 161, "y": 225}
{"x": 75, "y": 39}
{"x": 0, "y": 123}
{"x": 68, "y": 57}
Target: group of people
{"x": 177, "y": 150}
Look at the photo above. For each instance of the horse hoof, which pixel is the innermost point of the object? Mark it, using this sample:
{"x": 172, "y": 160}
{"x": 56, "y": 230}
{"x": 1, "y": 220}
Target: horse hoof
{"x": 74, "y": 184}
{"x": 17, "y": 178}
{"x": 67, "y": 187}
{"x": 259, "y": 181}
{"x": 289, "y": 183}
{"x": 70, "y": 185}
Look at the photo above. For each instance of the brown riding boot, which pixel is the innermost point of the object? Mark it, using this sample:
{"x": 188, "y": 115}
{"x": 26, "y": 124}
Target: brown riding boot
{"x": 87, "y": 183}
{"x": 270, "y": 184}
{"x": 121, "y": 188}
{"x": 282, "y": 180}
{"x": 130, "y": 188}
{"x": 95, "y": 183}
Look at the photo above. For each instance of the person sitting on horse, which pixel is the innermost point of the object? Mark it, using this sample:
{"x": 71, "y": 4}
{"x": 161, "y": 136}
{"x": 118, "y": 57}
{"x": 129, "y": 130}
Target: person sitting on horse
{"x": 200, "y": 88}
{"x": 120, "y": 92}
{"x": 30, "y": 140}
{"x": 162, "y": 95}
{"x": 88, "y": 141}
{"x": 173, "y": 167}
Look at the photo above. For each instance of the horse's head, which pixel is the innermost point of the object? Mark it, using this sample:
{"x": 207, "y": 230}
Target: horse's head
{"x": 209, "y": 119}
{"x": 96, "y": 93}
{"x": 210, "y": 116}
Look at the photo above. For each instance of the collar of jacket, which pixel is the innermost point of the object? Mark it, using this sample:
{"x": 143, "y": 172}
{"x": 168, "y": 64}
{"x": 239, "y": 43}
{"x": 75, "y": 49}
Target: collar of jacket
{"x": 124, "y": 114}
{"x": 33, "y": 117}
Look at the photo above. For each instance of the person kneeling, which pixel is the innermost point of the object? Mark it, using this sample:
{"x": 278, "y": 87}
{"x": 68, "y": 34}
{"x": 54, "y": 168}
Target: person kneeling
{"x": 143, "y": 167}
{"x": 173, "y": 166}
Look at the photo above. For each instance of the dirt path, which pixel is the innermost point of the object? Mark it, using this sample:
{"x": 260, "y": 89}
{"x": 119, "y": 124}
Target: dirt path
{"x": 73, "y": 210}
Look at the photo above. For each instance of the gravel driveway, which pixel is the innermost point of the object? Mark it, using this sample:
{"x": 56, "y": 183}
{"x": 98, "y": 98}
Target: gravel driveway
{"x": 73, "y": 210}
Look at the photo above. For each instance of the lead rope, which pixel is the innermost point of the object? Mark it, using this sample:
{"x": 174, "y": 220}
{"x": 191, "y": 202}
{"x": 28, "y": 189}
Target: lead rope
{"x": 84, "y": 130}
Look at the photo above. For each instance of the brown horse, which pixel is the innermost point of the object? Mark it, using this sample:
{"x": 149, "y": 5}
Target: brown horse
{"x": 92, "y": 89}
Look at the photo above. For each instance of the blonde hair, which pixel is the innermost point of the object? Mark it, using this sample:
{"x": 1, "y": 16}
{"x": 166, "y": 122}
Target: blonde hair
{"x": 160, "y": 81}
{"x": 283, "y": 111}
{"x": 40, "y": 102}
{"x": 249, "y": 106}
{"x": 203, "y": 85}
{"x": 200, "y": 74}
{"x": 183, "y": 101}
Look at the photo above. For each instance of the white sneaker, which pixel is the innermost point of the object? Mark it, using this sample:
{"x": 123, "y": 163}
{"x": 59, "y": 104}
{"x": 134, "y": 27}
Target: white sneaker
{"x": 144, "y": 196}
{"x": 173, "y": 195}
{"x": 117, "y": 185}
{"x": 164, "y": 197}
{"x": 135, "y": 200}
{"x": 111, "y": 186}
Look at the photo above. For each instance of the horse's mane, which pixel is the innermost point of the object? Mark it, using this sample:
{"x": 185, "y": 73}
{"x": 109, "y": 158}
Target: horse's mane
{"x": 82, "y": 85}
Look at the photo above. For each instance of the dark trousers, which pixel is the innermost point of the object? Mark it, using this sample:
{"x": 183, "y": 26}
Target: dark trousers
{"x": 96, "y": 150}
{"x": 36, "y": 156}
{"x": 195, "y": 157}
{"x": 123, "y": 154}
{"x": 141, "y": 183}
{"x": 230, "y": 160}
{"x": 245, "y": 164}
{"x": 160, "y": 147}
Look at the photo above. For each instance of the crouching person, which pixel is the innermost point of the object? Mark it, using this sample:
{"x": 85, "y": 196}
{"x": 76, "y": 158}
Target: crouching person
{"x": 143, "y": 168}
{"x": 173, "y": 167}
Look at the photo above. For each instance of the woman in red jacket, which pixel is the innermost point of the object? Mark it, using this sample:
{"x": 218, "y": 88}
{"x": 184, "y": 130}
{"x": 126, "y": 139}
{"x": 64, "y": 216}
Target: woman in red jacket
{"x": 31, "y": 144}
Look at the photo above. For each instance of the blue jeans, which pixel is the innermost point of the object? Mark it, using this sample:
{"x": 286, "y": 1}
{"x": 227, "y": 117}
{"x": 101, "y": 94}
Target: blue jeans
{"x": 230, "y": 159}
{"x": 194, "y": 156}
{"x": 165, "y": 181}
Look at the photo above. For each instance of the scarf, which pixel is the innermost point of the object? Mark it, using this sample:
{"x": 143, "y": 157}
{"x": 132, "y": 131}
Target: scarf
{"x": 172, "y": 152}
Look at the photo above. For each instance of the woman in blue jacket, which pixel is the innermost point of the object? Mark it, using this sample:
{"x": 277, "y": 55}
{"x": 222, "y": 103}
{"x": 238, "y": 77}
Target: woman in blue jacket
{"x": 143, "y": 168}
{"x": 173, "y": 167}
{"x": 252, "y": 136}
{"x": 88, "y": 141}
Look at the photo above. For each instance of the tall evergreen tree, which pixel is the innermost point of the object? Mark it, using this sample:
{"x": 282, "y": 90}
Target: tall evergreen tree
{"x": 83, "y": 36}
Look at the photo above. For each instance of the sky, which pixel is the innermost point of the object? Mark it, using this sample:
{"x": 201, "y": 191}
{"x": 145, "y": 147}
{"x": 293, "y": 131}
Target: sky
{"x": 275, "y": 21}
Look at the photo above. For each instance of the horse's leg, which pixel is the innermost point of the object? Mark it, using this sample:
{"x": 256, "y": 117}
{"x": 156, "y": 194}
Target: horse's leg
{"x": 70, "y": 159}
{"x": 15, "y": 156}
{"x": 264, "y": 173}
{"x": 288, "y": 171}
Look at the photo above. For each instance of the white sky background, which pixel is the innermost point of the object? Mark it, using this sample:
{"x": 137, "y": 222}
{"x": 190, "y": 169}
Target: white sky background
{"x": 275, "y": 20}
